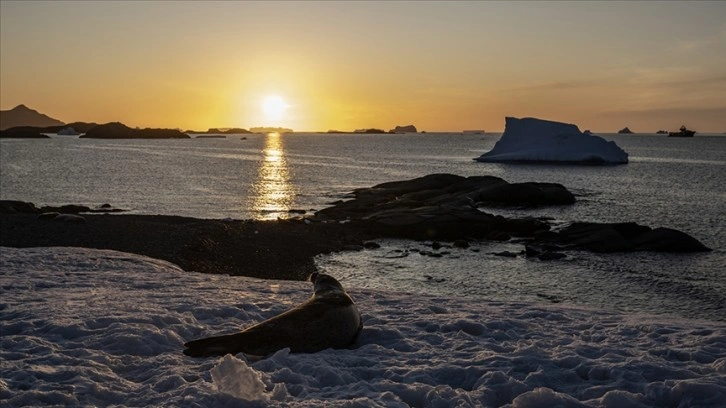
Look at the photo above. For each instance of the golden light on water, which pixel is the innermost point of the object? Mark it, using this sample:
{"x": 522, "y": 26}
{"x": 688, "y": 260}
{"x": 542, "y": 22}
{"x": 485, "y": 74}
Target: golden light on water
{"x": 273, "y": 193}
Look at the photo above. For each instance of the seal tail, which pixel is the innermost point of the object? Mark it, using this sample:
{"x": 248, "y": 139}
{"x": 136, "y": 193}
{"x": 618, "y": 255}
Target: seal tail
{"x": 212, "y": 346}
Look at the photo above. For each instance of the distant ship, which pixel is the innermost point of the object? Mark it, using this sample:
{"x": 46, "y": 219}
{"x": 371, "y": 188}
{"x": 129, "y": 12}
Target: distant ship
{"x": 683, "y": 132}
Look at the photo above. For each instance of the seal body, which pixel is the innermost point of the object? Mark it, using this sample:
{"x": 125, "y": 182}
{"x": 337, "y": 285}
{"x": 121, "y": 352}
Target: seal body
{"x": 329, "y": 319}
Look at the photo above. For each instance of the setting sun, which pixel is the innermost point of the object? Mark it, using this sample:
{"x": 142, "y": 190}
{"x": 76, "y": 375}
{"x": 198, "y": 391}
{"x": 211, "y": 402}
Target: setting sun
{"x": 274, "y": 107}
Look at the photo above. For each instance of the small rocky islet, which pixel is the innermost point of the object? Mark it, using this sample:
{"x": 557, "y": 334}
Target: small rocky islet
{"x": 436, "y": 207}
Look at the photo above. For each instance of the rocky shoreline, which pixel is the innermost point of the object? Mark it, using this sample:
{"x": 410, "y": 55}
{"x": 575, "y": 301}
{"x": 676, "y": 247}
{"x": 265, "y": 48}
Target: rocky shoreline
{"x": 437, "y": 207}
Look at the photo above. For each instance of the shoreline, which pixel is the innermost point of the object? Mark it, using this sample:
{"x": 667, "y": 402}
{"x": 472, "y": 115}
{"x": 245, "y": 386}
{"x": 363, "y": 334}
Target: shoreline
{"x": 280, "y": 249}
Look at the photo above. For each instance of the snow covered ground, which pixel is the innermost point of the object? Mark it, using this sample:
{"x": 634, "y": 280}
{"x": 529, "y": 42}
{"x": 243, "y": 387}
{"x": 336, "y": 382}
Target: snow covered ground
{"x": 89, "y": 327}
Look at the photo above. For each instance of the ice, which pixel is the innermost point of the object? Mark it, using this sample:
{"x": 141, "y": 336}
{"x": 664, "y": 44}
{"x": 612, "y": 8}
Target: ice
{"x": 537, "y": 140}
{"x": 84, "y": 327}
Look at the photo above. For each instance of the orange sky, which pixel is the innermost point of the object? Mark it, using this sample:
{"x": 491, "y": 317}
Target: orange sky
{"x": 443, "y": 66}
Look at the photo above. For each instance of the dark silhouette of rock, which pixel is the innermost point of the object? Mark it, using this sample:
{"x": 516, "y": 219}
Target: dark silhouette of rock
{"x": 661, "y": 132}
{"x": 266, "y": 129}
{"x": 404, "y": 129}
{"x": 667, "y": 240}
{"x": 625, "y": 131}
{"x": 17, "y": 207}
{"x": 551, "y": 256}
{"x": 626, "y": 237}
{"x": 21, "y": 115}
{"x": 21, "y": 207}
{"x": 444, "y": 206}
{"x": 23, "y": 132}
{"x": 506, "y": 254}
{"x": 116, "y": 130}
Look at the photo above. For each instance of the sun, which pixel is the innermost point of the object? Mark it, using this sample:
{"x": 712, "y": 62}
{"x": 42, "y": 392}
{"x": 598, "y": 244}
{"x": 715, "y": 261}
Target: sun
{"x": 274, "y": 107}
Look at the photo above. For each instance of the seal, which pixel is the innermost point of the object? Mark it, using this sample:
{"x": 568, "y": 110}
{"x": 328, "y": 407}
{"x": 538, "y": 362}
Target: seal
{"x": 329, "y": 319}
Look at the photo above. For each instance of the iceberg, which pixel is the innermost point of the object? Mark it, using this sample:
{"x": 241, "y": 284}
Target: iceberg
{"x": 68, "y": 131}
{"x": 537, "y": 140}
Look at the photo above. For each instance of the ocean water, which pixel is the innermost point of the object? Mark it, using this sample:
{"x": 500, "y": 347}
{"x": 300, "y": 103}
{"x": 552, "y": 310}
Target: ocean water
{"x": 669, "y": 182}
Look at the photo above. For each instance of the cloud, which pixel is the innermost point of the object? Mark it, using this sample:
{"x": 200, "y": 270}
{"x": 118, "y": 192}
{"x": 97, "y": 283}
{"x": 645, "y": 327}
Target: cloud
{"x": 559, "y": 85}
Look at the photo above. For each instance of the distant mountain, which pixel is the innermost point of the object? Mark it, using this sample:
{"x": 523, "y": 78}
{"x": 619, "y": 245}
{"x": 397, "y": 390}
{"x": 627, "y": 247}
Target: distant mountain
{"x": 21, "y": 115}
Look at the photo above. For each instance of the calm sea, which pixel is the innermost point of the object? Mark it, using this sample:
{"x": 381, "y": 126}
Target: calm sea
{"x": 670, "y": 182}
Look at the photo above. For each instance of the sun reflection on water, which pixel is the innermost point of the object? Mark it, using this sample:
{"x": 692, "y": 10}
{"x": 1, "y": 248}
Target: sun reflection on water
{"x": 273, "y": 193}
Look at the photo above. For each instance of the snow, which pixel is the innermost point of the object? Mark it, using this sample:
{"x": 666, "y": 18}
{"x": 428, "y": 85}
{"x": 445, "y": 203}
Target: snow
{"x": 537, "y": 140}
{"x": 93, "y": 327}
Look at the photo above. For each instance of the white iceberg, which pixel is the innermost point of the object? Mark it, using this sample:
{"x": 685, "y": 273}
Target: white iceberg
{"x": 68, "y": 131}
{"x": 537, "y": 140}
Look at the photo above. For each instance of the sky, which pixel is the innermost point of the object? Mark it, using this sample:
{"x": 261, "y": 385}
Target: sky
{"x": 316, "y": 66}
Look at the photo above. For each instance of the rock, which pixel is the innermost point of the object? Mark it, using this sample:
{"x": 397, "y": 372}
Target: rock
{"x": 625, "y": 131}
{"x": 461, "y": 243}
{"x": 48, "y": 215}
{"x": 537, "y": 140}
{"x": 668, "y": 240}
{"x": 355, "y": 248}
{"x": 507, "y": 254}
{"x": 549, "y": 256}
{"x": 531, "y": 251}
{"x": 371, "y": 245}
{"x": 17, "y": 207}
{"x": 70, "y": 218}
{"x": 23, "y": 132}
{"x": 404, "y": 129}
{"x": 625, "y": 237}
{"x": 116, "y": 130}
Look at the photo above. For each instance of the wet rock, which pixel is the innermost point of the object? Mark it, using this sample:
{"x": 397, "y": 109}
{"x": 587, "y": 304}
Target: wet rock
{"x": 668, "y": 240}
{"x": 550, "y": 256}
{"x": 461, "y": 243}
{"x": 626, "y": 237}
{"x": 531, "y": 251}
{"x": 507, "y": 254}
{"x": 371, "y": 245}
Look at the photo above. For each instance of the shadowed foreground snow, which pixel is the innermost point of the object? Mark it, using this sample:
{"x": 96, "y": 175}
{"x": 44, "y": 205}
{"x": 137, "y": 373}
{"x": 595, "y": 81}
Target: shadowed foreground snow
{"x": 89, "y": 327}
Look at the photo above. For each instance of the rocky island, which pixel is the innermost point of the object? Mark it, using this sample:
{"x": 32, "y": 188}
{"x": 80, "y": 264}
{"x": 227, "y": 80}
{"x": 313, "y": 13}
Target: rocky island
{"x": 404, "y": 129}
{"x": 437, "y": 207}
{"x": 116, "y": 130}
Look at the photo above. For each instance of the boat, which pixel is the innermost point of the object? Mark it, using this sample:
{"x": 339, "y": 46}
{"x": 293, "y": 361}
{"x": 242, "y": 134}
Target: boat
{"x": 684, "y": 132}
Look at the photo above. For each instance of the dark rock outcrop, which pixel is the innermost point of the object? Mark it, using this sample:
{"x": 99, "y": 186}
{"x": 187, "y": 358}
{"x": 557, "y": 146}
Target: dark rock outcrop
{"x": 116, "y": 130}
{"x": 625, "y": 131}
{"x": 21, "y": 207}
{"x": 23, "y": 132}
{"x": 625, "y": 237}
{"x": 445, "y": 206}
{"x": 404, "y": 129}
